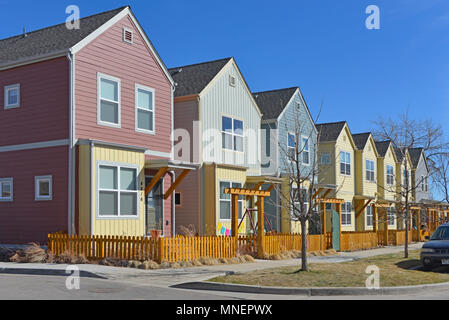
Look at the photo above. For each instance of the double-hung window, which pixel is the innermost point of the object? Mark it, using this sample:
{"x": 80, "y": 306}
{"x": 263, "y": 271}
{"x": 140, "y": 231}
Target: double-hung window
{"x": 369, "y": 216}
{"x": 426, "y": 183}
{"x": 300, "y": 197}
{"x": 108, "y": 100}
{"x": 117, "y": 191}
{"x": 325, "y": 158}
{"x": 305, "y": 151}
{"x": 369, "y": 170}
{"x": 6, "y": 189}
{"x": 225, "y": 200}
{"x": 390, "y": 214}
{"x": 12, "y": 96}
{"x": 232, "y": 134}
{"x": 346, "y": 215}
{"x": 390, "y": 175}
{"x": 345, "y": 163}
{"x": 291, "y": 146}
{"x": 43, "y": 186}
{"x": 144, "y": 99}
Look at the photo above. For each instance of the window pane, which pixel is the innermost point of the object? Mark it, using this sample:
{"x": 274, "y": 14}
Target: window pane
{"x": 44, "y": 188}
{"x": 342, "y": 168}
{"x": 109, "y": 90}
{"x": 226, "y": 124}
{"x": 342, "y": 157}
{"x": 5, "y": 187}
{"x": 108, "y": 203}
{"x": 225, "y": 209}
{"x": 13, "y": 96}
{"x": 145, "y": 99}
{"x": 291, "y": 140}
{"x": 109, "y": 112}
{"x": 145, "y": 120}
{"x": 238, "y": 127}
{"x": 305, "y": 143}
{"x": 223, "y": 186}
{"x": 128, "y": 204}
{"x": 305, "y": 157}
{"x": 108, "y": 177}
{"x": 128, "y": 179}
{"x": 238, "y": 143}
{"x": 226, "y": 140}
{"x": 348, "y": 157}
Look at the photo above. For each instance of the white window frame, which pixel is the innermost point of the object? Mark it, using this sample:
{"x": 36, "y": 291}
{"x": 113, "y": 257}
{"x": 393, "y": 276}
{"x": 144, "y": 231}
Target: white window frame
{"x": 369, "y": 171}
{"x": 325, "y": 154}
{"x": 11, "y": 183}
{"x": 37, "y": 195}
{"x": 345, "y": 163}
{"x": 346, "y": 213}
{"x": 391, "y": 216}
{"x": 136, "y": 106}
{"x": 110, "y": 78}
{"x": 228, "y": 200}
{"x": 8, "y": 105}
{"x": 118, "y": 165}
{"x": 304, "y": 150}
{"x": 233, "y": 134}
{"x": 369, "y": 213}
{"x": 390, "y": 175}
{"x": 289, "y": 147}
{"x": 298, "y": 203}
{"x": 426, "y": 183}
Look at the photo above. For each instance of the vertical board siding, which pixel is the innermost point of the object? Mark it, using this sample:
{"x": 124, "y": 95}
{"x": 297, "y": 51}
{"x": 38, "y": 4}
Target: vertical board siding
{"x": 44, "y": 103}
{"x": 25, "y": 219}
{"x": 421, "y": 170}
{"x": 132, "y": 64}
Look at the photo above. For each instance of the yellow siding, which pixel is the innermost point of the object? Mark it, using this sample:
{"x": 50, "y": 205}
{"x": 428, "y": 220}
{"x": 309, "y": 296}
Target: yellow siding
{"x": 359, "y": 187}
{"x": 345, "y": 184}
{"x": 119, "y": 226}
{"x": 389, "y": 191}
{"x": 287, "y": 224}
{"x": 369, "y": 188}
{"x": 210, "y": 221}
{"x": 84, "y": 189}
{"x": 326, "y": 173}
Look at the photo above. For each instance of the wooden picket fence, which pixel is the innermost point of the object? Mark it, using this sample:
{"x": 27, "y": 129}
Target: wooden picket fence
{"x": 351, "y": 241}
{"x": 279, "y": 242}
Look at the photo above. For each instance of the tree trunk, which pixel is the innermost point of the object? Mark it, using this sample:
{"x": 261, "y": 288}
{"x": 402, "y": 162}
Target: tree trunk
{"x": 407, "y": 227}
{"x": 304, "y": 246}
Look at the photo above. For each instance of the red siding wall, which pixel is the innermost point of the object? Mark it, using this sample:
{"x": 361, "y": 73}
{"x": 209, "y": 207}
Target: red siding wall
{"x": 132, "y": 64}
{"x": 25, "y": 220}
{"x": 44, "y": 103}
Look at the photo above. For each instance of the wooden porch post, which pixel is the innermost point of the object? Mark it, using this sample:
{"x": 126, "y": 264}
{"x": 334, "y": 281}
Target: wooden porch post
{"x": 374, "y": 218}
{"x": 234, "y": 217}
{"x": 428, "y": 220}
{"x": 339, "y": 217}
{"x": 260, "y": 227}
{"x": 323, "y": 225}
{"x": 418, "y": 225}
{"x": 386, "y": 226}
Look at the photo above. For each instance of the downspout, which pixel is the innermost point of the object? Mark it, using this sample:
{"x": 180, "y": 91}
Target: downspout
{"x": 70, "y": 222}
{"x": 91, "y": 145}
{"x": 173, "y": 209}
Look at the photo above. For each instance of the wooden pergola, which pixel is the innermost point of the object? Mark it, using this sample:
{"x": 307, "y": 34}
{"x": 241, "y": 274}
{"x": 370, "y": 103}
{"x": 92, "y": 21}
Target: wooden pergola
{"x": 261, "y": 194}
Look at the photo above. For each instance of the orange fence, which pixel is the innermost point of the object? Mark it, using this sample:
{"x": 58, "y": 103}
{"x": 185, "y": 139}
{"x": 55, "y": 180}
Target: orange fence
{"x": 276, "y": 243}
{"x": 397, "y": 237}
{"x": 351, "y": 241}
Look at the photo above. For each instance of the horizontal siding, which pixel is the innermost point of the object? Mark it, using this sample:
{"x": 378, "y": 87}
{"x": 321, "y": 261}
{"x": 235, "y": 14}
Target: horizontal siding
{"x": 43, "y": 114}
{"x": 189, "y": 211}
{"x": 132, "y": 64}
{"x": 26, "y": 219}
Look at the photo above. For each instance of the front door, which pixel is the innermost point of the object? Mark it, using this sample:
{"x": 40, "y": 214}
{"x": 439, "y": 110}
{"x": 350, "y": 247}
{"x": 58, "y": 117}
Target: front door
{"x": 335, "y": 230}
{"x": 154, "y": 207}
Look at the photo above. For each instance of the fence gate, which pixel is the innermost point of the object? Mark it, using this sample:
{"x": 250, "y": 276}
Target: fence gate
{"x": 335, "y": 230}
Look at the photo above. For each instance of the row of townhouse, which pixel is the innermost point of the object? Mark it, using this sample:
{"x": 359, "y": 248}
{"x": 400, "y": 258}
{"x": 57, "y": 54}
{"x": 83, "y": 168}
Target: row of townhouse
{"x": 99, "y": 137}
{"x": 369, "y": 173}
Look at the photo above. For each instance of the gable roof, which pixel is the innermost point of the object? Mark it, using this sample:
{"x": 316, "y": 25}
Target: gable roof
{"x": 192, "y": 79}
{"x": 330, "y": 131}
{"x": 360, "y": 139}
{"x": 415, "y": 154}
{"x": 273, "y": 102}
{"x": 382, "y": 147}
{"x": 52, "y": 39}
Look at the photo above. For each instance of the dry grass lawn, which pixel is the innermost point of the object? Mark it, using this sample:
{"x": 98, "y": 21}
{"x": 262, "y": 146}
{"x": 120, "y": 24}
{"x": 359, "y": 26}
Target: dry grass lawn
{"x": 394, "y": 271}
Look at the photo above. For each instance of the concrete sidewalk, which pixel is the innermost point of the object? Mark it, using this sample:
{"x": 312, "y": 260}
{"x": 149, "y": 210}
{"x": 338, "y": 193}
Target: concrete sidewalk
{"x": 170, "y": 277}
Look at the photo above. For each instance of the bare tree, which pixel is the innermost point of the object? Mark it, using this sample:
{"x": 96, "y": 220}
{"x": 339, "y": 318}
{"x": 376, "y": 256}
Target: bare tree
{"x": 406, "y": 133}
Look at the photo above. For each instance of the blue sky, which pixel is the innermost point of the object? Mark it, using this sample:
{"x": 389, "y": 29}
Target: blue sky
{"x": 321, "y": 46}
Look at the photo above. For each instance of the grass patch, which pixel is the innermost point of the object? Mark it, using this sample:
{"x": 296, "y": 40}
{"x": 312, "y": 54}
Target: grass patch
{"x": 394, "y": 271}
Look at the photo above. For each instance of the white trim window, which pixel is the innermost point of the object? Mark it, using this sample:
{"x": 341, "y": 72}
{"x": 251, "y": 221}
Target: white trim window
{"x": 144, "y": 104}
{"x": 291, "y": 146}
{"x": 305, "y": 151}
{"x": 108, "y": 89}
{"x": 369, "y": 216}
{"x": 232, "y": 134}
{"x": 346, "y": 214}
{"x": 345, "y": 163}
{"x": 298, "y": 197}
{"x": 426, "y": 183}
{"x": 369, "y": 170}
{"x": 12, "y": 96}
{"x": 390, "y": 215}
{"x": 117, "y": 191}
{"x": 225, "y": 200}
{"x": 390, "y": 175}
{"x": 43, "y": 188}
{"x": 6, "y": 189}
{"x": 325, "y": 158}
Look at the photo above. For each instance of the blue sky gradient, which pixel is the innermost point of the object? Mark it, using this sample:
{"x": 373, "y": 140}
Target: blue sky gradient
{"x": 321, "y": 46}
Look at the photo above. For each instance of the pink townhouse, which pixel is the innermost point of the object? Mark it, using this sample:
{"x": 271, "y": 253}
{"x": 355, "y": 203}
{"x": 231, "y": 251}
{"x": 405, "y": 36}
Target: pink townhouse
{"x": 86, "y": 117}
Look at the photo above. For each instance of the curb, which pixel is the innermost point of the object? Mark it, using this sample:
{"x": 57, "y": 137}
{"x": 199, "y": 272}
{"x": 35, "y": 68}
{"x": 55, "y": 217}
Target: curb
{"x": 49, "y": 272}
{"x": 344, "y": 291}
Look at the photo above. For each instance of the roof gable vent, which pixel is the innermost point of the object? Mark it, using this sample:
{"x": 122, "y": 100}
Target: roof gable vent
{"x": 127, "y": 35}
{"x": 231, "y": 80}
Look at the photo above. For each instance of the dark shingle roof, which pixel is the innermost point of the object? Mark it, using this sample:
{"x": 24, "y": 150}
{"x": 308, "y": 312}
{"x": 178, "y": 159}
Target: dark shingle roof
{"x": 330, "y": 131}
{"x": 399, "y": 154}
{"x": 415, "y": 154}
{"x": 273, "y": 102}
{"x": 192, "y": 79}
{"x": 382, "y": 147}
{"x": 51, "y": 39}
{"x": 360, "y": 139}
